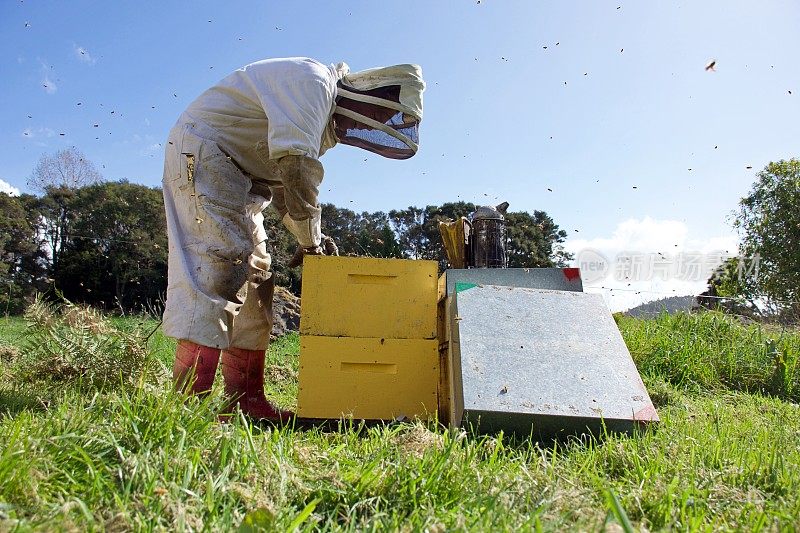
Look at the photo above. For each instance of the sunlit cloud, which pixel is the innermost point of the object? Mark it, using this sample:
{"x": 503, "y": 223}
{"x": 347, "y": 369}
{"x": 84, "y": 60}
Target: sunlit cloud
{"x": 83, "y": 54}
{"x": 649, "y": 259}
{"x": 8, "y": 188}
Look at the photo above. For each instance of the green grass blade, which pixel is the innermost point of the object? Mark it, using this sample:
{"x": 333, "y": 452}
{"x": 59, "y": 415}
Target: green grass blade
{"x": 618, "y": 511}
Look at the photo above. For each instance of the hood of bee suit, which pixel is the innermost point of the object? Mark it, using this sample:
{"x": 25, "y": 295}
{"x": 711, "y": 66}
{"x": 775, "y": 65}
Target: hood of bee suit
{"x": 380, "y": 110}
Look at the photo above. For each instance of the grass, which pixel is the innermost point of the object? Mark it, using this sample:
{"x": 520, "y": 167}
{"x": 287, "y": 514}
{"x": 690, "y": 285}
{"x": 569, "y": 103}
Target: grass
{"x": 12, "y": 331}
{"x": 711, "y": 351}
{"x": 724, "y": 457}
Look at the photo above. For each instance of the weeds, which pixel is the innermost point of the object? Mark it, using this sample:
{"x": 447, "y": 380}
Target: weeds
{"x": 8, "y": 354}
{"x": 71, "y": 345}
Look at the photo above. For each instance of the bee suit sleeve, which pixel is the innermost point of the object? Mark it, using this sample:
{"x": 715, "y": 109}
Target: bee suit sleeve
{"x": 300, "y": 212}
{"x": 298, "y": 103}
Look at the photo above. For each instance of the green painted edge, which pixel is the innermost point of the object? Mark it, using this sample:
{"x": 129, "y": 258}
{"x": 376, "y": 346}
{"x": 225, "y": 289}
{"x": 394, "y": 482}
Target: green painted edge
{"x": 462, "y": 286}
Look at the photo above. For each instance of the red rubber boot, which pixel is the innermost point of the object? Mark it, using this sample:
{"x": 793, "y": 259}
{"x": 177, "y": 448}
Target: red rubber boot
{"x": 243, "y": 371}
{"x": 195, "y": 368}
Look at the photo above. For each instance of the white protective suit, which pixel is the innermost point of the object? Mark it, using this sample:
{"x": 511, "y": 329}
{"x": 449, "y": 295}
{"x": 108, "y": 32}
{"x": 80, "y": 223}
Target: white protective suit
{"x": 256, "y": 137}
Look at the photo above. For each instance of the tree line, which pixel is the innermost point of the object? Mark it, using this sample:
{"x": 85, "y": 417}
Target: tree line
{"x": 104, "y": 243}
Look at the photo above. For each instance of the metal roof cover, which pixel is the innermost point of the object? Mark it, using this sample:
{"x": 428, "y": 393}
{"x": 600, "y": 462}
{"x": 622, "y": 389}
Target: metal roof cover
{"x": 545, "y": 362}
{"x": 560, "y": 279}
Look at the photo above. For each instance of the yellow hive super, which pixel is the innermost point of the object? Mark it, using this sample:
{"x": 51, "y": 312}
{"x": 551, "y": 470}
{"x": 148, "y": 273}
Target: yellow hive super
{"x": 369, "y": 345}
{"x": 369, "y": 297}
{"x": 368, "y": 378}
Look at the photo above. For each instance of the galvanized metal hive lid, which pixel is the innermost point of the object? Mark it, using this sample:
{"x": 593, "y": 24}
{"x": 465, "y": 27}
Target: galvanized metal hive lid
{"x": 562, "y": 279}
{"x": 532, "y": 356}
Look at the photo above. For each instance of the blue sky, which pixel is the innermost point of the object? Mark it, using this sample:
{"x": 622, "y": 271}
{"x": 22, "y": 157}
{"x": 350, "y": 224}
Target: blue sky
{"x": 618, "y": 99}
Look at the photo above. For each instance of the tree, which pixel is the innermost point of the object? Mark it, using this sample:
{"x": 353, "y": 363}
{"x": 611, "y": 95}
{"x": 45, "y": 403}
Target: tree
{"x": 53, "y": 223}
{"x": 344, "y": 226}
{"x": 58, "y": 176}
{"x": 65, "y": 169}
{"x": 379, "y": 241}
{"x": 116, "y": 255}
{"x": 768, "y": 221}
{"x": 731, "y": 289}
{"x": 418, "y": 229}
{"x": 535, "y": 241}
{"x": 281, "y": 245}
{"x": 21, "y": 268}
{"x": 365, "y": 234}
{"x": 408, "y": 225}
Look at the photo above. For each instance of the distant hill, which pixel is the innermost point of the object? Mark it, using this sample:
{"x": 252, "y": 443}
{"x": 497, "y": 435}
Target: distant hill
{"x": 671, "y": 304}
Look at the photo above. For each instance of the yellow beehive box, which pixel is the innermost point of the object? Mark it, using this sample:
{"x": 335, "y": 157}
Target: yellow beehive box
{"x": 368, "y": 378}
{"x": 369, "y": 297}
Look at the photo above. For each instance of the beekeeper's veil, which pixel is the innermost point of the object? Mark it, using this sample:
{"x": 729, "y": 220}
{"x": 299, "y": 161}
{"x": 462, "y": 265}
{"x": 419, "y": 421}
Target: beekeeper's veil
{"x": 380, "y": 110}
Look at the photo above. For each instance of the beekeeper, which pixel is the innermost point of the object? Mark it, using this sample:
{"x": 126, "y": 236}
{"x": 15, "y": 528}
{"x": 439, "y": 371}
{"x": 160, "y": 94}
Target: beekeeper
{"x": 253, "y": 139}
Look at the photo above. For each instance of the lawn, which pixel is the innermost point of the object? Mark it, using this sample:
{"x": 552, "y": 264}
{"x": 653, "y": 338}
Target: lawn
{"x": 96, "y": 450}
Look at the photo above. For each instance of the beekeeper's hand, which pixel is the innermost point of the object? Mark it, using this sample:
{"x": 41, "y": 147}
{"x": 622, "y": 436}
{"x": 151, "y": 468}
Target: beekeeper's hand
{"x": 301, "y": 252}
{"x": 327, "y": 247}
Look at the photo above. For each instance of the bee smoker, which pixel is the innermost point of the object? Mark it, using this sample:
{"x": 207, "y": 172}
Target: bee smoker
{"x": 487, "y": 239}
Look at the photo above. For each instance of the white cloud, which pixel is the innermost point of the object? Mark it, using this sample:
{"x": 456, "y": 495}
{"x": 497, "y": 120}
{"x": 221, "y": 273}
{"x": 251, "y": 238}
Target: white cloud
{"x": 83, "y": 54}
{"x": 29, "y": 133}
{"x": 49, "y": 85}
{"x": 8, "y": 188}
{"x": 46, "y": 71}
{"x": 649, "y": 259}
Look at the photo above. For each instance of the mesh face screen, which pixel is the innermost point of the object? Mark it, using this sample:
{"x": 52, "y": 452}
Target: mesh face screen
{"x": 380, "y": 138}
{"x": 377, "y": 141}
{"x": 354, "y": 133}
